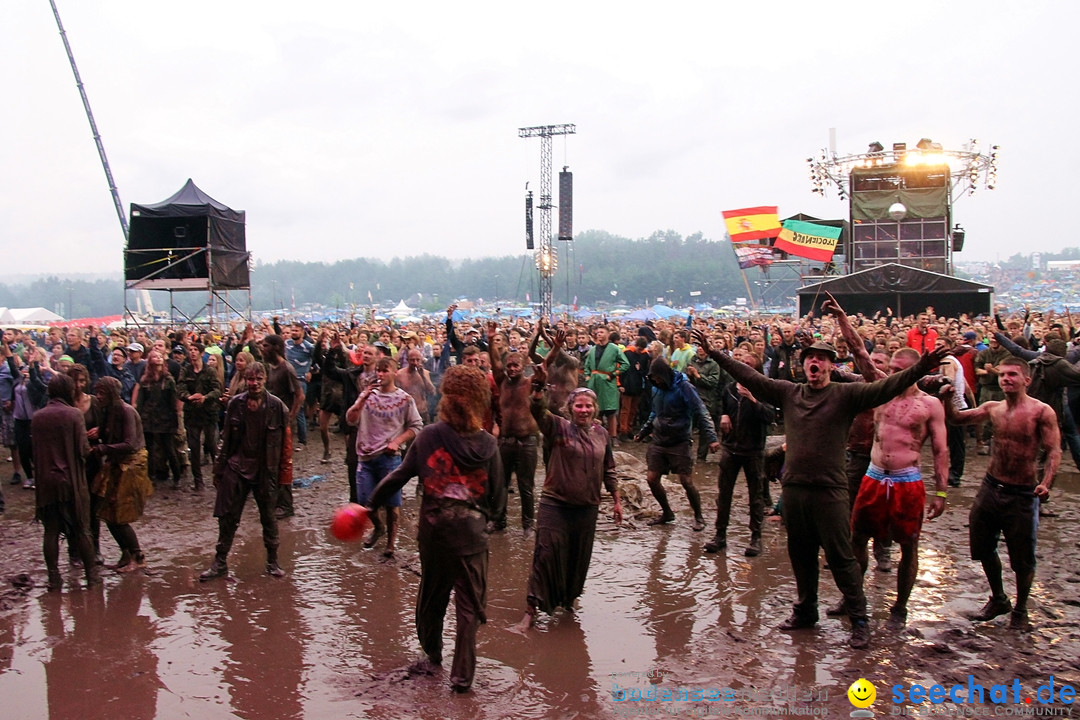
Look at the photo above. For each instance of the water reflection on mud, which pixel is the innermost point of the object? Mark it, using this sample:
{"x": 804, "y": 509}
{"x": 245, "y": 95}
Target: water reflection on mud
{"x": 335, "y": 638}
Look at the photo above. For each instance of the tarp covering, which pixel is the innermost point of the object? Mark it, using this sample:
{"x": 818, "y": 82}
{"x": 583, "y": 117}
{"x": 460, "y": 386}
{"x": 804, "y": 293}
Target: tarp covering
{"x": 920, "y": 203}
{"x": 905, "y": 290}
{"x": 185, "y": 242}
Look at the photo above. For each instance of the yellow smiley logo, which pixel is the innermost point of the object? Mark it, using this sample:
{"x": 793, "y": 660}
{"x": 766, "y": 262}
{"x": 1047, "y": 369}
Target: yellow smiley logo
{"x": 862, "y": 693}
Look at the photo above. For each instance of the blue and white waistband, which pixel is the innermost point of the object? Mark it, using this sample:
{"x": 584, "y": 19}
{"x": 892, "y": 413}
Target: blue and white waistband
{"x": 911, "y": 474}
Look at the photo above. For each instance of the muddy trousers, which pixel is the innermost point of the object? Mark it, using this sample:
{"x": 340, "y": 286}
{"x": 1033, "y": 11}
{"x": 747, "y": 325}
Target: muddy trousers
{"x": 466, "y": 575}
{"x": 753, "y": 466}
{"x": 265, "y": 497}
{"x": 61, "y": 518}
{"x": 162, "y": 456}
{"x": 519, "y": 456}
{"x": 954, "y": 435}
{"x": 352, "y": 461}
{"x": 198, "y": 437}
{"x": 818, "y": 518}
{"x": 26, "y": 447}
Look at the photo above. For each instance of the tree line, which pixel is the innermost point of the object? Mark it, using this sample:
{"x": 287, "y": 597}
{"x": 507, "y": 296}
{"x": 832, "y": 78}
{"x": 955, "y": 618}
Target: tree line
{"x": 596, "y": 268}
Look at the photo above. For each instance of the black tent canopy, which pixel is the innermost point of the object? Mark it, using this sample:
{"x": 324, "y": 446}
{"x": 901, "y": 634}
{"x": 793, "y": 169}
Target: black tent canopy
{"x": 189, "y": 241}
{"x": 906, "y": 290}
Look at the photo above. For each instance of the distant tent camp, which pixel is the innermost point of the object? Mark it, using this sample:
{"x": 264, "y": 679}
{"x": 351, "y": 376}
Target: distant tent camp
{"x": 27, "y": 316}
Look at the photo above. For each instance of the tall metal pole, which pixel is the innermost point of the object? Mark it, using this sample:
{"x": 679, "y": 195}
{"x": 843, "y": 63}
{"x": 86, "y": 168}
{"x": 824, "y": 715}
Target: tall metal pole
{"x": 547, "y": 261}
{"x": 93, "y": 125}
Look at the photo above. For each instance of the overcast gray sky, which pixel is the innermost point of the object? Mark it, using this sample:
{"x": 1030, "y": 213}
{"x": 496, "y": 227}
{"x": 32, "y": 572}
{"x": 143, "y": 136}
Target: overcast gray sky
{"x": 349, "y": 129}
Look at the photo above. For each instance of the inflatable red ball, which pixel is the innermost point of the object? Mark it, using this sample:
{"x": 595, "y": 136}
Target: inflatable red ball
{"x": 349, "y": 523}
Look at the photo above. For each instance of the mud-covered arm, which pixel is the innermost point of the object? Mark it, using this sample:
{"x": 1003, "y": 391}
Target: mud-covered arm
{"x": 1050, "y": 436}
{"x": 868, "y": 395}
{"x": 126, "y": 444}
{"x": 538, "y": 406}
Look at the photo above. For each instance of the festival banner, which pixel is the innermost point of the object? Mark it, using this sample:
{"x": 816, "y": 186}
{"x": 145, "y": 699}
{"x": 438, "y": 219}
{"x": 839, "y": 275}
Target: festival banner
{"x": 754, "y": 223}
{"x": 751, "y": 255}
{"x": 808, "y": 240}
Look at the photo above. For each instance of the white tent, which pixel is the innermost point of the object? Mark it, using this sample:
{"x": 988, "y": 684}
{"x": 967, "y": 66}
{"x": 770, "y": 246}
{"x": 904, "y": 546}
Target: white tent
{"x": 401, "y": 309}
{"x": 27, "y": 316}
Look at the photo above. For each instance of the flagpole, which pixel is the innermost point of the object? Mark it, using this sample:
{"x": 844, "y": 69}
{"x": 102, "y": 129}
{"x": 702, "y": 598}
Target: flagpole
{"x": 753, "y": 302}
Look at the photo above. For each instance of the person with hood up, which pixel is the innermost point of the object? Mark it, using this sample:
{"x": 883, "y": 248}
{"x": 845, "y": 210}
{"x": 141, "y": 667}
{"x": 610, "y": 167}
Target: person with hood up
{"x": 459, "y": 466}
{"x": 676, "y": 410}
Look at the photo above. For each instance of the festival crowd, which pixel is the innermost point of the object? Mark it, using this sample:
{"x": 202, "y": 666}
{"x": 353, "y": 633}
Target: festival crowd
{"x": 96, "y": 420}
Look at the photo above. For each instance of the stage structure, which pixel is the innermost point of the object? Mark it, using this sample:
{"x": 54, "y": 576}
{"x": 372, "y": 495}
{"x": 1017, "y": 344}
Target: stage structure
{"x": 901, "y": 200}
{"x": 188, "y": 243}
{"x": 898, "y": 251}
{"x": 903, "y": 289}
{"x": 546, "y": 257}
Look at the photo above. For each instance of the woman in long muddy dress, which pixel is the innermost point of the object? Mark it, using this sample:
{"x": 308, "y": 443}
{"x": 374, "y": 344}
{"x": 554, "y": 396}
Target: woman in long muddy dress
{"x": 581, "y": 461}
{"x": 122, "y": 484}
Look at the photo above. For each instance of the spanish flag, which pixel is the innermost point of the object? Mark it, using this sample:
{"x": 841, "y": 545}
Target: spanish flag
{"x": 754, "y": 223}
{"x": 808, "y": 240}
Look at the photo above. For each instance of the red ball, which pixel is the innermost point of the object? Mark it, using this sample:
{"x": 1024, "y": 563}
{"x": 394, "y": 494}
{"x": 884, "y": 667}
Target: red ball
{"x": 349, "y": 523}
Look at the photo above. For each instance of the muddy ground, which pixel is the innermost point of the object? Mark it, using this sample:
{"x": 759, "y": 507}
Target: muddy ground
{"x": 334, "y": 639}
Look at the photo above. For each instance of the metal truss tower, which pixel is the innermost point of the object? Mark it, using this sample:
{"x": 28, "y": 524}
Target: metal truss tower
{"x": 546, "y": 257}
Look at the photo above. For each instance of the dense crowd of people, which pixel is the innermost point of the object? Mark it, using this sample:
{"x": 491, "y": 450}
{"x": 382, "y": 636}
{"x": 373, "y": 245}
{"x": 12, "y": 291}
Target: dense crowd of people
{"x": 95, "y": 421}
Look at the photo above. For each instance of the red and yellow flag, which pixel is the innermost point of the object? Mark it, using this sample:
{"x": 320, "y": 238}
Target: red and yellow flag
{"x": 754, "y": 223}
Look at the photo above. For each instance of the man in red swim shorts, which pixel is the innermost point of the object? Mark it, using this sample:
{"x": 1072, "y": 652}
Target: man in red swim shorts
{"x": 889, "y": 505}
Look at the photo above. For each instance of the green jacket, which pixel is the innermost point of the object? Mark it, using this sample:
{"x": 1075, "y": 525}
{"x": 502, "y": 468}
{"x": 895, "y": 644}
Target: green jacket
{"x": 205, "y": 382}
{"x": 602, "y": 377}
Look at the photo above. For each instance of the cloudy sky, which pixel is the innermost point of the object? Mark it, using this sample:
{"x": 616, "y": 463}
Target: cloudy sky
{"x": 350, "y": 129}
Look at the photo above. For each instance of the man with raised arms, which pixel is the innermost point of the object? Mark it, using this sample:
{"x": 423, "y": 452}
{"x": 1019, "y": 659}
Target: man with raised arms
{"x": 815, "y": 493}
{"x": 518, "y": 432}
{"x": 1008, "y": 499}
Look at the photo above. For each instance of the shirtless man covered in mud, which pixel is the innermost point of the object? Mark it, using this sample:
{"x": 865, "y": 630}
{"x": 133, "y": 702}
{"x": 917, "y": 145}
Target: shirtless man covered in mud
{"x": 890, "y": 500}
{"x": 1008, "y": 500}
{"x": 518, "y": 431}
{"x": 562, "y": 368}
{"x": 416, "y": 380}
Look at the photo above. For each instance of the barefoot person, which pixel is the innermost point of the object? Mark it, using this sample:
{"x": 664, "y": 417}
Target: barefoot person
{"x": 1008, "y": 500}
{"x": 581, "y": 461}
{"x": 122, "y": 483}
{"x": 458, "y": 464}
{"x": 62, "y": 496}
{"x": 889, "y": 504}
